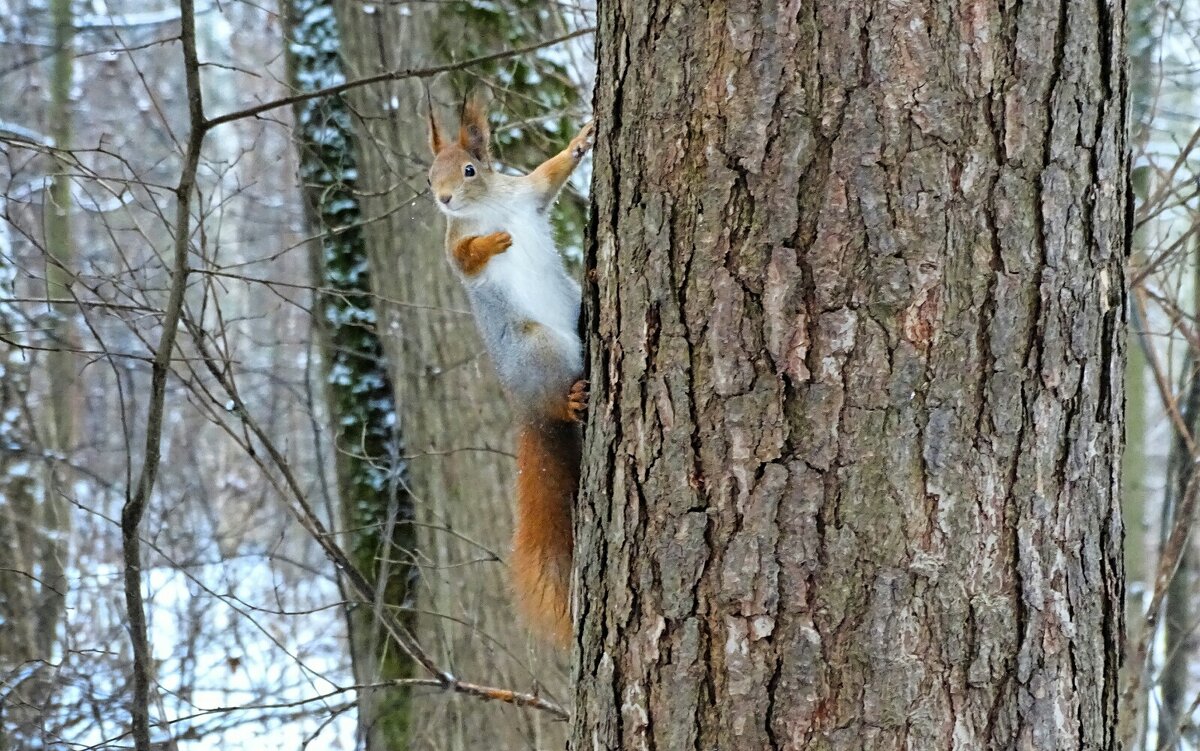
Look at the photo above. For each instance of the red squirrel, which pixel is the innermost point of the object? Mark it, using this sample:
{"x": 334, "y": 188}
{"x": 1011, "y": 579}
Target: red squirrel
{"x": 500, "y": 244}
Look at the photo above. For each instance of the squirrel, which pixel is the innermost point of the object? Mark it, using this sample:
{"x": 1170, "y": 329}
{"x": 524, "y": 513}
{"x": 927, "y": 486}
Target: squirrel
{"x": 500, "y": 244}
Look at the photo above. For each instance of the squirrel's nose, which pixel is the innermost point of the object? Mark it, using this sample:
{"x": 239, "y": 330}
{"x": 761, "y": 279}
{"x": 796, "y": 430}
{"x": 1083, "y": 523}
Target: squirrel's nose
{"x": 445, "y": 198}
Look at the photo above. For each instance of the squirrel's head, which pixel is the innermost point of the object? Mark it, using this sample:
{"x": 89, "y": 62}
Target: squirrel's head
{"x": 461, "y": 170}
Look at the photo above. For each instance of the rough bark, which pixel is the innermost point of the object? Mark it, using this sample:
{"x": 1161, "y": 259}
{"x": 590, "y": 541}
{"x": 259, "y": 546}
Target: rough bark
{"x": 856, "y": 317}
{"x": 454, "y": 418}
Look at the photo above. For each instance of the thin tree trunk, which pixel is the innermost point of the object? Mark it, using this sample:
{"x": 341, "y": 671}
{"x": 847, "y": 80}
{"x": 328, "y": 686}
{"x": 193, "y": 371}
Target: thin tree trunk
{"x": 857, "y": 342}
{"x": 1134, "y": 491}
{"x": 1177, "y": 611}
{"x": 375, "y": 509}
{"x": 57, "y": 218}
{"x": 63, "y": 395}
{"x": 34, "y": 516}
{"x": 1135, "y": 465}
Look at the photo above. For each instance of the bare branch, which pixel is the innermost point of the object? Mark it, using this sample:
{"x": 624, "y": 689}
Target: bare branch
{"x": 392, "y": 75}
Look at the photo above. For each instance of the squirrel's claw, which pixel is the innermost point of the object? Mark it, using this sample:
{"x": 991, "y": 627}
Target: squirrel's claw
{"x": 577, "y": 399}
{"x": 498, "y": 242}
{"x": 583, "y": 142}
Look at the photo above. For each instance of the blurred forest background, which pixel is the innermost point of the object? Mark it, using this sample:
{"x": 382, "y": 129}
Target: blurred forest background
{"x": 233, "y": 358}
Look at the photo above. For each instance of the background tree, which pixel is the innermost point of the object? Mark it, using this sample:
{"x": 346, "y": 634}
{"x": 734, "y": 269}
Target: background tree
{"x": 36, "y": 521}
{"x": 62, "y": 366}
{"x": 374, "y": 507}
{"x": 455, "y": 419}
{"x": 1135, "y": 472}
{"x": 1160, "y": 698}
{"x": 25, "y": 642}
{"x": 857, "y": 351}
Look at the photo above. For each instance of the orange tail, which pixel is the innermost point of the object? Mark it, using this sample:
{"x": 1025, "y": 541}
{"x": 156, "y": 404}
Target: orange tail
{"x": 548, "y": 456}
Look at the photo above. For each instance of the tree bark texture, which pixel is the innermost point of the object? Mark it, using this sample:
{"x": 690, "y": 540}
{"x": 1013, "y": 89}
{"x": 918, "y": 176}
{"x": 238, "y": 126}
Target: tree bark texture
{"x": 856, "y": 347}
{"x": 452, "y": 414}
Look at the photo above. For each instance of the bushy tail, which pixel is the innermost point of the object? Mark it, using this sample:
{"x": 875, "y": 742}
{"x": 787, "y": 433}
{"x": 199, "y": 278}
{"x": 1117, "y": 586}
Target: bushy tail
{"x": 548, "y": 456}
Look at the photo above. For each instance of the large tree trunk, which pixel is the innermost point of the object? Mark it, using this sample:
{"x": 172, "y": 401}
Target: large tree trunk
{"x": 856, "y": 320}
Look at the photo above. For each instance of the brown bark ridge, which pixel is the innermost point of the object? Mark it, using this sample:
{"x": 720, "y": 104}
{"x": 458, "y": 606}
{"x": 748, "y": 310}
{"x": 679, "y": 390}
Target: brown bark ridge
{"x": 856, "y": 340}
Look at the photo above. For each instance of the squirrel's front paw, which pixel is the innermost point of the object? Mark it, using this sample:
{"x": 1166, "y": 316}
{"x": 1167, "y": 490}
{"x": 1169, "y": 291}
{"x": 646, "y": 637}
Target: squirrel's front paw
{"x": 583, "y": 142}
{"x": 497, "y": 242}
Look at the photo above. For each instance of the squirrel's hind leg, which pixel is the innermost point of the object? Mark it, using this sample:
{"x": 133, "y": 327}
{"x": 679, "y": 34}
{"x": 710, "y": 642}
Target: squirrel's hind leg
{"x": 577, "y": 401}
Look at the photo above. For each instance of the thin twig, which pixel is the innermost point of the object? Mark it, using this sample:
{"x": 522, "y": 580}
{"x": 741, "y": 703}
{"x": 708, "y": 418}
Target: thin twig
{"x": 1160, "y": 378}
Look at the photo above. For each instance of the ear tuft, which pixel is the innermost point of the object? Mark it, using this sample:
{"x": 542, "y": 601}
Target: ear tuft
{"x": 474, "y": 134}
{"x": 436, "y": 142}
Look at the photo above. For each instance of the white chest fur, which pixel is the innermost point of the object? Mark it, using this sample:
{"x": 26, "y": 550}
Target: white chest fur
{"x": 530, "y": 274}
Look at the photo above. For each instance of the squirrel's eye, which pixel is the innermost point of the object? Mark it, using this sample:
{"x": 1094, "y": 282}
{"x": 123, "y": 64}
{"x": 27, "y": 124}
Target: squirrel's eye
{"x": 469, "y": 170}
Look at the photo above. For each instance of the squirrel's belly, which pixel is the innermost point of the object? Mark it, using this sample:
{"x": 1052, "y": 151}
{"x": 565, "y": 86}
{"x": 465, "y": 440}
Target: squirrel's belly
{"x": 535, "y": 288}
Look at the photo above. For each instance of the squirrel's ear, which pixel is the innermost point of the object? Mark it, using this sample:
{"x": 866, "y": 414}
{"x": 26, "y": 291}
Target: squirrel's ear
{"x": 473, "y": 134}
{"x": 436, "y": 142}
